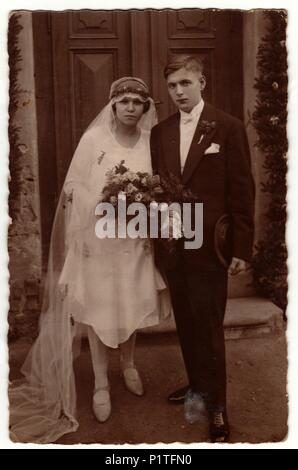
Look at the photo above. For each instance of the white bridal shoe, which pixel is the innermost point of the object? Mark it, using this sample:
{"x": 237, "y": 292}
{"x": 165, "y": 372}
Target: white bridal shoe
{"x": 102, "y": 404}
{"x": 133, "y": 381}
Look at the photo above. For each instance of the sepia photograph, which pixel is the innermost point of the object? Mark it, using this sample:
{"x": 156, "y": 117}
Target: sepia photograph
{"x": 148, "y": 262}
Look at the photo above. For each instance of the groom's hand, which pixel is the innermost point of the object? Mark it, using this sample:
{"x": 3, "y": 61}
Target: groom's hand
{"x": 237, "y": 266}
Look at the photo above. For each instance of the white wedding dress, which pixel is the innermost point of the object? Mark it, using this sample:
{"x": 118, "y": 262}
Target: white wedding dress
{"x": 114, "y": 286}
{"x": 110, "y": 284}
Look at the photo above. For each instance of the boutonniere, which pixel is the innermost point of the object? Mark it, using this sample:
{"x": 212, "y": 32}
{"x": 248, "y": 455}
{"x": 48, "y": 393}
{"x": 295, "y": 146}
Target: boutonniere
{"x": 206, "y": 126}
{"x": 100, "y": 157}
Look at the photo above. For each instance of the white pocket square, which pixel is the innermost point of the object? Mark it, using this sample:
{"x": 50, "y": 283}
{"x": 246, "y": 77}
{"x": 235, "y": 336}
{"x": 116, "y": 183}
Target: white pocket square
{"x": 214, "y": 148}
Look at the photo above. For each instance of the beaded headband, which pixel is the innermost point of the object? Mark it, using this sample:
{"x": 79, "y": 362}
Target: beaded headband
{"x": 129, "y": 85}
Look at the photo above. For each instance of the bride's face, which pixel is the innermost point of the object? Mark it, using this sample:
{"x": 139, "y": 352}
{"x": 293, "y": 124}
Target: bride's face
{"x": 129, "y": 110}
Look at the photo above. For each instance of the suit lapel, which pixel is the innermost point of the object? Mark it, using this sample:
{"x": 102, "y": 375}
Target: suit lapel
{"x": 196, "y": 151}
{"x": 172, "y": 146}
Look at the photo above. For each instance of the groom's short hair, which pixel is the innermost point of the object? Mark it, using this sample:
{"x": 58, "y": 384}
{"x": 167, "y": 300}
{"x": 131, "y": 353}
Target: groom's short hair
{"x": 188, "y": 62}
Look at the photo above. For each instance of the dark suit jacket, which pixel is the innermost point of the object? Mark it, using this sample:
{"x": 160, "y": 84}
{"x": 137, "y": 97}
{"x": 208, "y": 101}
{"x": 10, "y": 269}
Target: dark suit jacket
{"x": 221, "y": 181}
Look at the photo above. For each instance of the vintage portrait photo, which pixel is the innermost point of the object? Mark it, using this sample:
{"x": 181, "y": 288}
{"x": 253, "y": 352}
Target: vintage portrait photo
{"x": 148, "y": 259}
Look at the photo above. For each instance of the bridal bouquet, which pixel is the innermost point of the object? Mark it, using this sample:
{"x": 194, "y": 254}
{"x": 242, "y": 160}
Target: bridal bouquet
{"x": 151, "y": 191}
{"x": 143, "y": 187}
{"x": 137, "y": 187}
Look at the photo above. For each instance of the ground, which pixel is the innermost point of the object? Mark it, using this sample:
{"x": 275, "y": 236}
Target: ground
{"x": 257, "y": 395}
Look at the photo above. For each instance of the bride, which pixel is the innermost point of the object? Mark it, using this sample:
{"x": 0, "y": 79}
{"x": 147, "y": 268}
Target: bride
{"x": 110, "y": 287}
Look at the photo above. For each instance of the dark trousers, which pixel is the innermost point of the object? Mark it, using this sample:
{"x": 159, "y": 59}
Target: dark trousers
{"x": 199, "y": 302}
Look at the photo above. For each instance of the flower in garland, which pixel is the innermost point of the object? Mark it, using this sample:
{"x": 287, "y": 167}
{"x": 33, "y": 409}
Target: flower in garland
{"x": 274, "y": 120}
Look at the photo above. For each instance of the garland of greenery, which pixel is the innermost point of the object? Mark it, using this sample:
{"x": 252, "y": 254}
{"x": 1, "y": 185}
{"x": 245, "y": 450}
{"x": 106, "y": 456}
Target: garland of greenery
{"x": 270, "y": 121}
{"x": 14, "y": 57}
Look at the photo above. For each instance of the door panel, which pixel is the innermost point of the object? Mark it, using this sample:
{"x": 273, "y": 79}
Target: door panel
{"x": 85, "y": 24}
{"x": 91, "y": 69}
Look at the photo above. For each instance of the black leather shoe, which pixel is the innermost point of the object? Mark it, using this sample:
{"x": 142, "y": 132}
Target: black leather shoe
{"x": 218, "y": 426}
{"x": 178, "y": 397}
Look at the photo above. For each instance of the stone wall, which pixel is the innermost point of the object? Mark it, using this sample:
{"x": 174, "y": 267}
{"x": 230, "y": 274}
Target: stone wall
{"x": 24, "y": 239}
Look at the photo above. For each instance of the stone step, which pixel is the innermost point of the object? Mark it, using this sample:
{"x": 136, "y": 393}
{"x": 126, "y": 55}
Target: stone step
{"x": 246, "y": 317}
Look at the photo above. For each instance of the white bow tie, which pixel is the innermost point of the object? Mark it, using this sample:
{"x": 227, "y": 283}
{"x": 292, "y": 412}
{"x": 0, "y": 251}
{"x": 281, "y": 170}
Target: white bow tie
{"x": 187, "y": 118}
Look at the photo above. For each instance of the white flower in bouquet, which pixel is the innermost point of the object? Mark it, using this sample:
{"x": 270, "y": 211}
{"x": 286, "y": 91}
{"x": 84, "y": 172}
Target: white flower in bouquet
{"x": 113, "y": 200}
{"x": 138, "y": 197}
{"x": 136, "y": 177}
{"x": 111, "y": 173}
{"x": 122, "y": 178}
{"x": 130, "y": 176}
{"x": 116, "y": 179}
{"x": 131, "y": 188}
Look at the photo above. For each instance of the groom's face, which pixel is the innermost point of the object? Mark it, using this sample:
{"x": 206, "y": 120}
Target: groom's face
{"x": 185, "y": 88}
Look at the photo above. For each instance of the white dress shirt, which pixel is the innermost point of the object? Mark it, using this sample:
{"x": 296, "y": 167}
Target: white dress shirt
{"x": 188, "y": 124}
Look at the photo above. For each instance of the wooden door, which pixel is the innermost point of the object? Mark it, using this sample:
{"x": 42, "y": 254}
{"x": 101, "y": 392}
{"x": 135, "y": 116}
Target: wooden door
{"x": 79, "y": 53}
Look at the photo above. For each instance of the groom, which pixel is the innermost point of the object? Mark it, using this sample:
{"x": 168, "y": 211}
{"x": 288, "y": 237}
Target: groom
{"x": 208, "y": 151}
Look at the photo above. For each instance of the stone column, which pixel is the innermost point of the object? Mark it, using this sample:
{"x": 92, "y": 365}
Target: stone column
{"x": 253, "y": 31}
{"x": 24, "y": 239}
